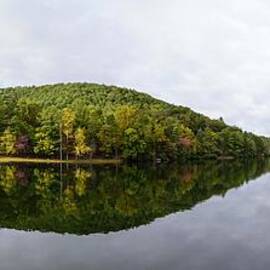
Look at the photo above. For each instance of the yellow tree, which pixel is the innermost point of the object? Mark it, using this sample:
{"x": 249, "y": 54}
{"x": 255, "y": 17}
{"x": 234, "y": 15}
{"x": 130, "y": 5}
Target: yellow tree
{"x": 125, "y": 116}
{"x": 81, "y": 148}
{"x": 8, "y": 142}
{"x": 66, "y": 127}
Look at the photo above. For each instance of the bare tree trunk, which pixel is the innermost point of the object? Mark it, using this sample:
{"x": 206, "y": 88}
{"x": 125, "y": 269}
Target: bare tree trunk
{"x": 154, "y": 155}
{"x": 116, "y": 153}
{"x": 61, "y": 143}
{"x": 61, "y": 181}
{"x": 67, "y": 149}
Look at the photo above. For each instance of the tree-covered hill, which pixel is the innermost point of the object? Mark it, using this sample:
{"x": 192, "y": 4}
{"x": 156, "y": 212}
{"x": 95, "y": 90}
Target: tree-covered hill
{"x": 84, "y": 120}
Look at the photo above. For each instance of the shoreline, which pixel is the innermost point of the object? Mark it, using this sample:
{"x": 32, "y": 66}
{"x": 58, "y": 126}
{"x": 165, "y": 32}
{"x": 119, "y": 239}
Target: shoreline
{"x": 58, "y": 161}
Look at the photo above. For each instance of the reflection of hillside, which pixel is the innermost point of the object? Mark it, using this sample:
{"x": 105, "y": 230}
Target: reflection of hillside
{"x": 95, "y": 200}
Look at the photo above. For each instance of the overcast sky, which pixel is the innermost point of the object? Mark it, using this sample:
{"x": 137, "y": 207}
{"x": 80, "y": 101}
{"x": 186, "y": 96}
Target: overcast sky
{"x": 211, "y": 55}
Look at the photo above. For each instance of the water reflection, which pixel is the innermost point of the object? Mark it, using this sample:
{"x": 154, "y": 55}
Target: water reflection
{"x": 85, "y": 200}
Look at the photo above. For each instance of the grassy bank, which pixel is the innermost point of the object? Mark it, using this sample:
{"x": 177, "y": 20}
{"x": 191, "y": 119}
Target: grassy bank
{"x": 53, "y": 161}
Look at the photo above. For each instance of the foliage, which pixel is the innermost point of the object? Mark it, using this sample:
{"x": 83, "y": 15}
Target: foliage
{"x": 108, "y": 121}
{"x": 8, "y": 142}
{"x": 80, "y": 145}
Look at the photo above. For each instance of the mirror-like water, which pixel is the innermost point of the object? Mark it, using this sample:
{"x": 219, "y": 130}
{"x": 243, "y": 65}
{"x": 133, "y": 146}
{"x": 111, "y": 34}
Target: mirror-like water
{"x": 209, "y": 216}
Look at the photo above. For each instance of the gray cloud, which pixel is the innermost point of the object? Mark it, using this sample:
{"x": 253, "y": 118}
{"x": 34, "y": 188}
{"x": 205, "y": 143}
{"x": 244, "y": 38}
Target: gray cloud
{"x": 211, "y": 55}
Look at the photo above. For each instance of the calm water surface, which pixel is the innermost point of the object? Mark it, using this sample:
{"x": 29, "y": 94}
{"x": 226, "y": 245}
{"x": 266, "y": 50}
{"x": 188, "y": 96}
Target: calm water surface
{"x": 208, "y": 216}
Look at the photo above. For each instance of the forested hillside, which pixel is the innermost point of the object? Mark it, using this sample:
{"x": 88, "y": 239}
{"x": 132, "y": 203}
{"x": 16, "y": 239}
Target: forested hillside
{"x": 81, "y": 120}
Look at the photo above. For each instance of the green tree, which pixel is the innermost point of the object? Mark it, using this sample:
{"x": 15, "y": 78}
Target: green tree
{"x": 25, "y": 119}
{"x": 44, "y": 144}
{"x": 110, "y": 137}
{"x": 208, "y": 143}
{"x": 47, "y": 133}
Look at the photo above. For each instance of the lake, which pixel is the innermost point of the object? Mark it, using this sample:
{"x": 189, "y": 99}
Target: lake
{"x": 213, "y": 215}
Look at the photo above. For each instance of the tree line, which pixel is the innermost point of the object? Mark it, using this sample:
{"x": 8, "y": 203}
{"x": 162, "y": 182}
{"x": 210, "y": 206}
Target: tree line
{"x": 81, "y": 120}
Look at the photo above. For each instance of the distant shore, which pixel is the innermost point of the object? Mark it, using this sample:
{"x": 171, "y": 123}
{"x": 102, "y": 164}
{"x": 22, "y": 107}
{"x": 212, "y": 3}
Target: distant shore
{"x": 58, "y": 161}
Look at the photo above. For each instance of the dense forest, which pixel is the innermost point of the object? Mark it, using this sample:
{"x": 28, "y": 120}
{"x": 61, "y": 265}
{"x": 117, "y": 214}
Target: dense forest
{"x": 82, "y": 120}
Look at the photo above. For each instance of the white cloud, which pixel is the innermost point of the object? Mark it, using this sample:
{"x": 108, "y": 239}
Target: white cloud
{"x": 211, "y": 55}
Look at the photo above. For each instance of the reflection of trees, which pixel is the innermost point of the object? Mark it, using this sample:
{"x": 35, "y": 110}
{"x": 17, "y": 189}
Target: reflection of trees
{"x": 81, "y": 179}
{"x": 44, "y": 180}
{"x": 101, "y": 200}
{"x": 8, "y": 178}
{"x": 68, "y": 203}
